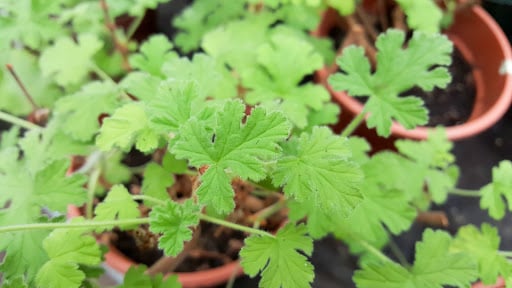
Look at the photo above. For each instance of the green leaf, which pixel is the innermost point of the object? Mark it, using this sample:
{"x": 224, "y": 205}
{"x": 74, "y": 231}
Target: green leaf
{"x": 42, "y": 90}
{"x": 235, "y": 43}
{"x": 114, "y": 170}
{"x": 155, "y": 182}
{"x": 136, "y": 277}
{"x": 67, "y": 248}
{"x": 397, "y": 71}
{"x": 494, "y": 193}
{"x": 317, "y": 168}
{"x": 184, "y": 95}
{"x": 128, "y": 125}
{"x": 422, "y": 15}
{"x": 69, "y": 62}
{"x": 117, "y": 205}
{"x": 282, "y": 64}
{"x": 434, "y": 267}
{"x": 80, "y": 111}
{"x": 280, "y": 258}
{"x": 434, "y": 161}
{"x": 483, "y": 247}
{"x": 203, "y": 16}
{"x": 141, "y": 85}
{"x": 228, "y": 146}
{"x": 381, "y": 211}
{"x": 174, "y": 221}
{"x": 213, "y": 79}
{"x": 31, "y": 22}
{"x": 345, "y": 7}
{"x": 173, "y": 165}
{"x": 153, "y": 53}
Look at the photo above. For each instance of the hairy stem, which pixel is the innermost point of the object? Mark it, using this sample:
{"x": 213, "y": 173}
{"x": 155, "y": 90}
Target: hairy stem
{"x": 149, "y": 199}
{"x": 507, "y": 254}
{"x": 18, "y": 121}
{"x": 89, "y": 224}
{"x": 134, "y": 26}
{"x": 267, "y": 212}
{"x": 351, "y": 127}
{"x": 91, "y": 188}
{"x": 376, "y": 252}
{"x": 398, "y": 253}
{"x": 22, "y": 86}
{"x": 465, "y": 192}
{"x": 234, "y": 226}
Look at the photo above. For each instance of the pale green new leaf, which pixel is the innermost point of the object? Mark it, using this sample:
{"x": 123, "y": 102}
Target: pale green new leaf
{"x": 154, "y": 52}
{"x": 398, "y": 70}
{"x": 128, "y": 125}
{"x": 280, "y": 259}
{"x": 156, "y": 180}
{"x": 117, "y": 205}
{"x": 282, "y": 64}
{"x": 80, "y": 111}
{"x": 203, "y": 16}
{"x": 422, "y": 15}
{"x": 174, "y": 221}
{"x": 69, "y": 62}
{"x": 213, "y": 79}
{"x": 136, "y": 277}
{"x": 67, "y": 248}
{"x": 434, "y": 267}
{"x": 230, "y": 146}
{"x": 317, "y": 168}
{"x": 494, "y": 193}
{"x": 483, "y": 246}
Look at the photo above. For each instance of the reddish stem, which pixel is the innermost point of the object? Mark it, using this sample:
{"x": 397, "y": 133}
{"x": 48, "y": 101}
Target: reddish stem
{"x": 22, "y": 86}
{"x": 111, "y": 26}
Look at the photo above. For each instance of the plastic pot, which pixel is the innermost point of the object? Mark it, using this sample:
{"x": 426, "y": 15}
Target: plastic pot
{"x": 481, "y": 42}
{"x": 199, "y": 279}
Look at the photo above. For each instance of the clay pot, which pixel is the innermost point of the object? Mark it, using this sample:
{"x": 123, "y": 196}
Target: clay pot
{"x": 499, "y": 284}
{"x": 199, "y": 279}
{"x": 481, "y": 42}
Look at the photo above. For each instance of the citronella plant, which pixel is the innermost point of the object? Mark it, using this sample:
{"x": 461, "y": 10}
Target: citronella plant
{"x": 238, "y": 112}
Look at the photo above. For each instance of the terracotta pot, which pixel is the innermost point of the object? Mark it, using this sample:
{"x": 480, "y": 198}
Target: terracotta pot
{"x": 482, "y": 43}
{"x": 199, "y": 279}
{"x": 499, "y": 284}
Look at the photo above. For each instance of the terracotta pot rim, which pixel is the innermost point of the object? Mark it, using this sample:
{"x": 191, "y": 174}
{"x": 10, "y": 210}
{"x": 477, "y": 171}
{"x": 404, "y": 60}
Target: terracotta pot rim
{"x": 457, "y": 132}
{"x": 205, "y": 278}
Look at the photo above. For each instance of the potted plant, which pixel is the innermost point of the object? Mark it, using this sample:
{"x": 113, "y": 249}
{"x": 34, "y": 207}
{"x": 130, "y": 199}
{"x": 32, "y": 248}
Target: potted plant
{"x": 492, "y": 82}
{"x": 168, "y": 147}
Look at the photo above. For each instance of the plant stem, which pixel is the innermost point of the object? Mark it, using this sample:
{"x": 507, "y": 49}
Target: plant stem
{"x": 22, "y": 86}
{"x": 92, "y": 224}
{"x": 268, "y": 211}
{"x": 235, "y": 226}
{"x": 353, "y": 124}
{"x": 507, "y": 254}
{"x": 376, "y": 252}
{"x": 465, "y": 192}
{"x": 18, "y": 121}
{"x": 398, "y": 253}
{"x": 149, "y": 199}
{"x": 133, "y": 27}
{"x": 91, "y": 188}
